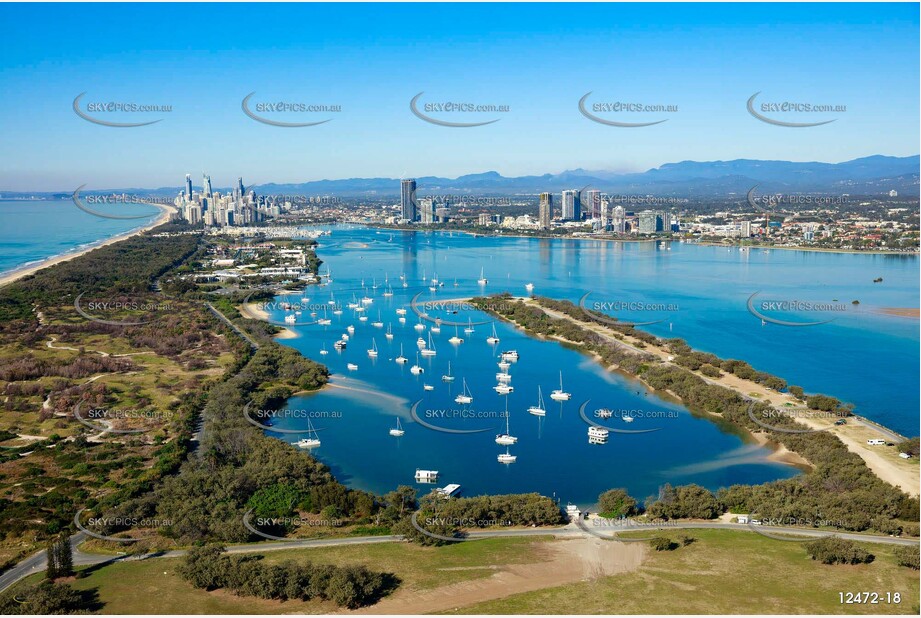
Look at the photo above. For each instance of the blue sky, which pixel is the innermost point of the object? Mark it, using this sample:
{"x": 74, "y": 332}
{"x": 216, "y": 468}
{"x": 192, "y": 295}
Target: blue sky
{"x": 372, "y": 59}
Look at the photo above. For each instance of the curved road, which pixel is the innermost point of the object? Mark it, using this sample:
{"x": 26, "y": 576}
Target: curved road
{"x": 36, "y": 562}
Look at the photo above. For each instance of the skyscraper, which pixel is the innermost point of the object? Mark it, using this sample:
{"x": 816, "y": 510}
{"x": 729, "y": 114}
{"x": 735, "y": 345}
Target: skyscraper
{"x": 572, "y": 207}
{"x": 206, "y": 185}
{"x": 592, "y": 203}
{"x": 408, "y": 207}
{"x": 427, "y": 210}
{"x": 545, "y": 211}
{"x": 605, "y": 214}
{"x": 620, "y": 219}
{"x": 188, "y": 187}
{"x": 240, "y": 186}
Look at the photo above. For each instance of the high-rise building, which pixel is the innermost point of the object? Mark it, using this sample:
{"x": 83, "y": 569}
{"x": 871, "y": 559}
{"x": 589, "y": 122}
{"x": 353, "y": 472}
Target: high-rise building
{"x": 240, "y": 186}
{"x": 591, "y": 203}
{"x": 427, "y": 210}
{"x": 206, "y": 185}
{"x": 650, "y": 222}
{"x": 545, "y": 211}
{"x": 188, "y": 187}
{"x": 605, "y": 214}
{"x": 620, "y": 219}
{"x": 571, "y": 205}
{"x": 408, "y": 207}
{"x": 745, "y": 229}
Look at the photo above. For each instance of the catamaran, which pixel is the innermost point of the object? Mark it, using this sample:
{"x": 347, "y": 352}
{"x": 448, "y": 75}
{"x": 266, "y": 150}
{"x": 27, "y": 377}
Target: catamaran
{"x": 466, "y": 396}
{"x": 430, "y": 349}
{"x": 504, "y": 389}
{"x": 417, "y": 368}
{"x": 455, "y": 339}
{"x": 482, "y": 280}
{"x": 398, "y": 431}
{"x": 401, "y": 359}
{"x": 539, "y": 409}
{"x": 373, "y": 351}
{"x": 506, "y": 438}
{"x": 559, "y": 394}
{"x": 494, "y": 338}
{"x": 309, "y": 442}
{"x": 507, "y": 458}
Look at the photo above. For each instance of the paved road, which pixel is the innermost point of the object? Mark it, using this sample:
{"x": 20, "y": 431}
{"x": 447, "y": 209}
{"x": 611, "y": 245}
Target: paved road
{"x": 36, "y": 563}
{"x": 233, "y": 326}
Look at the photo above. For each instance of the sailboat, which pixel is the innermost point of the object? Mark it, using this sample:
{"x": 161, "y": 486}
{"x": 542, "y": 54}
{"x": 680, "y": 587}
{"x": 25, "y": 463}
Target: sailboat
{"x": 437, "y": 327}
{"x": 529, "y": 287}
{"x": 420, "y": 326}
{"x": 379, "y": 323}
{"x": 417, "y": 368}
{"x": 389, "y": 333}
{"x": 309, "y": 442}
{"x": 455, "y": 339}
{"x": 469, "y": 328}
{"x": 559, "y": 394}
{"x": 494, "y": 338}
{"x": 482, "y": 280}
{"x": 398, "y": 431}
{"x": 506, "y": 438}
{"x": 539, "y": 409}
{"x": 507, "y": 458}
{"x": 448, "y": 377}
{"x": 401, "y": 359}
{"x": 323, "y": 350}
{"x": 373, "y": 351}
{"x": 466, "y": 396}
{"x": 430, "y": 350}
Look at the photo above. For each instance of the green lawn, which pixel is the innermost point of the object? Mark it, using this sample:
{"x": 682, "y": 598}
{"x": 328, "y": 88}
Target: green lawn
{"x": 726, "y": 572}
{"x": 153, "y": 587}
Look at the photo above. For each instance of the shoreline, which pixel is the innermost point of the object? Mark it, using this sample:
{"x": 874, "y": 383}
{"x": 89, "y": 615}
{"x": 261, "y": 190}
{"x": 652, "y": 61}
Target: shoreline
{"x": 853, "y": 435}
{"x": 23, "y": 271}
{"x": 813, "y": 249}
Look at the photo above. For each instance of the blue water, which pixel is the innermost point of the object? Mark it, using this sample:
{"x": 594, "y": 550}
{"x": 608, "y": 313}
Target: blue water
{"x": 31, "y": 231}
{"x": 700, "y": 293}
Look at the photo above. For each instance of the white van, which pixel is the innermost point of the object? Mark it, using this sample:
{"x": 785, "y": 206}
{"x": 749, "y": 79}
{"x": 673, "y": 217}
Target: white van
{"x": 876, "y": 442}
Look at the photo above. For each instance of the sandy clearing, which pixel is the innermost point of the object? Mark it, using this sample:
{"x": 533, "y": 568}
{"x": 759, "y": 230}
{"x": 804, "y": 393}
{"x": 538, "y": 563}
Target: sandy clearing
{"x": 563, "y": 562}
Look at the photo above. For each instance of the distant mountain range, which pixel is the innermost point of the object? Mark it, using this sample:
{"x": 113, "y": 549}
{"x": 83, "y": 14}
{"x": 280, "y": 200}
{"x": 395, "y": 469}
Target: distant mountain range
{"x": 872, "y": 175}
{"x": 868, "y": 175}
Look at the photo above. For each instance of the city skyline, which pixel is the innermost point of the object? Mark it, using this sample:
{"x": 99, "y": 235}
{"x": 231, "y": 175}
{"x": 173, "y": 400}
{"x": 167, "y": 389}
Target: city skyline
{"x": 204, "y": 81}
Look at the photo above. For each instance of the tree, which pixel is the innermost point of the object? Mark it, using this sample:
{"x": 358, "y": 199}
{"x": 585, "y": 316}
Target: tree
{"x": 835, "y": 550}
{"x": 65, "y": 556}
{"x": 907, "y": 557}
{"x": 616, "y": 503}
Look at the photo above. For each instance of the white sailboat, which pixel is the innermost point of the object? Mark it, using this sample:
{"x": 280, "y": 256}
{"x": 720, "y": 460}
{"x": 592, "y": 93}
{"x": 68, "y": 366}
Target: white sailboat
{"x": 494, "y": 338}
{"x": 389, "y": 333}
{"x": 506, "y": 438}
{"x": 455, "y": 339}
{"x": 430, "y": 349}
{"x": 311, "y": 441}
{"x": 352, "y": 367}
{"x": 379, "y": 323}
{"x": 448, "y": 377}
{"x": 401, "y": 311}
{"x": 420, "y": 326}
{"x": 466, "y": 396}
{"x": 507, "y": 458}
{"x": 417, "y": 368}
{"x": 529, "y": 287}
{"x": 398, "y": 430}
{"x": 559, "y": 394}
{"x": 503, "y": 389}
{"x": 323, "y": 350}
{"x": 469, "y": 330}
{"x": 401, "y": 359}
{"x": 504, "y": 364}
{"x": 373, "y": 351}
{"x": 539, "y": 409}
{"x": 482, "y": 280}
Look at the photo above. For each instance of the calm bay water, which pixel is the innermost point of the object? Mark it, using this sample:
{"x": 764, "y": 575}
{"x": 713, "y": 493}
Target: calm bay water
{"x": 699, "y": 293}
{"x": 31, "y": 231}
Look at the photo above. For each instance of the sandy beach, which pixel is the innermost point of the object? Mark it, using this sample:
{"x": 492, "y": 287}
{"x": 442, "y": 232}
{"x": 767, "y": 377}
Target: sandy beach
{"x": 165, "y": 213}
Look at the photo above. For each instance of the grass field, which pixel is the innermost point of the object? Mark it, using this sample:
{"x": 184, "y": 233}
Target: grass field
{"x": 721, "y": 572}
{"x": 153, "y": 587}
{"x": 726, "y": 572}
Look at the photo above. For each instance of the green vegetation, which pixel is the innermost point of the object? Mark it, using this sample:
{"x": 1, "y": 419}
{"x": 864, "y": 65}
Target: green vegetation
{"x": 834, "y": 550}
{"x": 616, "y": 503}
{"x": 47, "y": 598}
{"x": 348, "y": 586}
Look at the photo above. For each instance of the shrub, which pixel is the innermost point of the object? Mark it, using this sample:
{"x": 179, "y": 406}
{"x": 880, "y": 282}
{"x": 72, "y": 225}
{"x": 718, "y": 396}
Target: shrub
{"x": 662, "y": 543}
{"x": 907, "y": 557}
{"x": 835, "y": 550}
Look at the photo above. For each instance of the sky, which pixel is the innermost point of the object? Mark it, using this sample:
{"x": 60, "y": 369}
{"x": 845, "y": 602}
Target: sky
{"x": 372, "y": 59}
